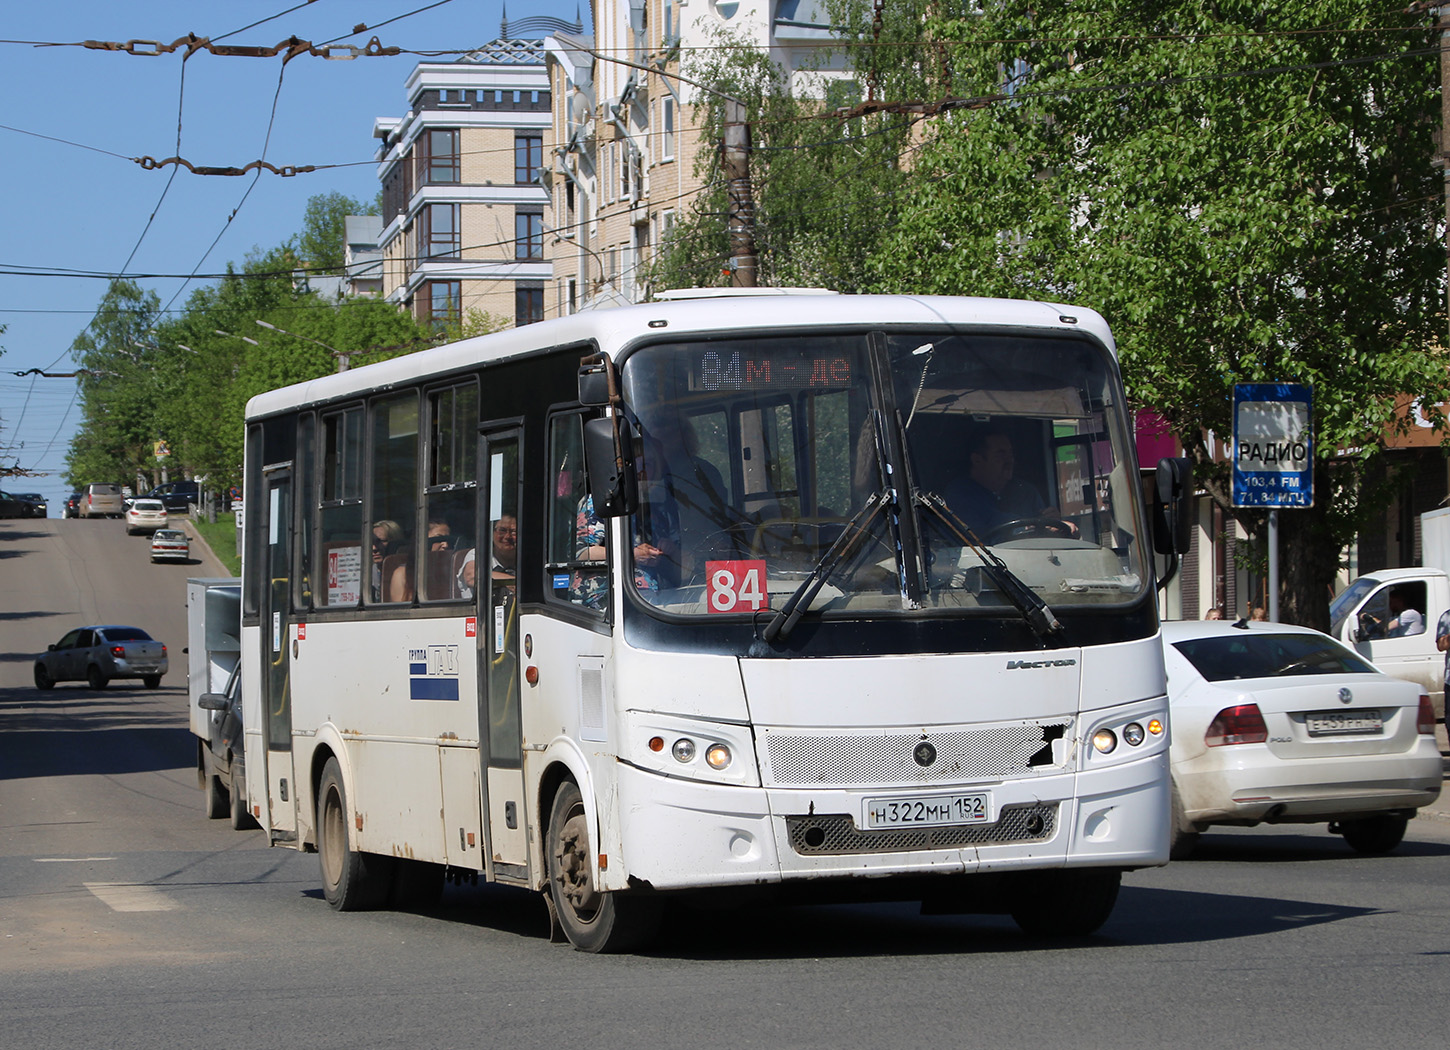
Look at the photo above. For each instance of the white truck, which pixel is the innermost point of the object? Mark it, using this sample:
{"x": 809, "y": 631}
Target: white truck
{"x": 213, "y": 628}
{"x": 1361, "y": 615}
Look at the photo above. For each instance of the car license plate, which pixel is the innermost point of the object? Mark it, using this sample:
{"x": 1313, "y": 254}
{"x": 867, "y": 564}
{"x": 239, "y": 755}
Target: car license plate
{"x": 927, "y": 810}
{"x": 1343, "y": 723}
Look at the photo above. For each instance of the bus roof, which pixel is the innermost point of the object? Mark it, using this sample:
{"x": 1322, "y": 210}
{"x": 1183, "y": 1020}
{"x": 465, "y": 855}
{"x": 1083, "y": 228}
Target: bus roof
{"x": 685, "y": 318}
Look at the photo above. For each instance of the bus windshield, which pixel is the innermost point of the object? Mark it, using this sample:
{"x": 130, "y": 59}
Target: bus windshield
{"x": 895, "y": 467}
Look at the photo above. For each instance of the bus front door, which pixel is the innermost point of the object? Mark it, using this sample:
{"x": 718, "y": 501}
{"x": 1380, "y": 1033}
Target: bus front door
{"x": 498, "y": 656}
{"x": 276, "y": 681}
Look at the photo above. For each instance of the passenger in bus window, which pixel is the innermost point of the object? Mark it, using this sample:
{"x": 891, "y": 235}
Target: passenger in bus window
{"x": 387, "y": 539}
{"x": 590, "y": 587}
{"x": 656, "y": 525}
{"x": 505, "y": 557}
{"x": 401, "y": 586}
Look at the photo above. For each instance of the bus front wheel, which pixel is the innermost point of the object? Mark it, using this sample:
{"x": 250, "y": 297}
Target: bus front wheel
{"x": 593, "y": 921}
{"x": 1066, "y": 902}
{"x": 351, "y": 879}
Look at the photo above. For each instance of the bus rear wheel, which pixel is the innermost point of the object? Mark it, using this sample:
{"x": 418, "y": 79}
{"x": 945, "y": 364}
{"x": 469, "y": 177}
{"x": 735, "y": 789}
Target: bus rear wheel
{"x": 351, "y": 879}
{"x": 594, "y": 921}
{"x": 1070, "y": 902}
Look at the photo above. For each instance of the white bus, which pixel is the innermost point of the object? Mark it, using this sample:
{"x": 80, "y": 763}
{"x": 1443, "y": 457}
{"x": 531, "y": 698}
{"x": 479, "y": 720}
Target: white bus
{"x": 856, "y": 602}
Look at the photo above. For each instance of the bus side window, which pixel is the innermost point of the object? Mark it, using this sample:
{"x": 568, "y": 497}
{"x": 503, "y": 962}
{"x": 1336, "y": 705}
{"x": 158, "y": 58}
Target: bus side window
{"x": 339, "y": 572}
{"x": 394, "y": 497}
{"x": 577, "y": 559}
{"x": 451, "y": 485}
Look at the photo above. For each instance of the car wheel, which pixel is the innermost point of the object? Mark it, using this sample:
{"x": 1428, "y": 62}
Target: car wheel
{"x": 1182, "y": 835}
{"x": 217, "y": 804}
{"x": 96, "y": 679}
{"x": 42, "y": 678}
{"x": 242, "y": 820}
{"x": 151, "y": 681}
{"x": 1374, "y": 834}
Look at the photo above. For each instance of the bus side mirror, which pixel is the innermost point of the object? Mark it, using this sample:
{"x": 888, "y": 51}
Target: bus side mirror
{"x": 594, "y": 381}
{"x": 1173, "y": 506}
{"x": 212, "y": 701}
{"x": 612, "y": 481}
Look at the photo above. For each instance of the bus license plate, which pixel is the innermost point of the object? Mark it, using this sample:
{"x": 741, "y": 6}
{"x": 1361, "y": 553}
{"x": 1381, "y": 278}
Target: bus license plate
{"x": 923, "y": 811}
{"x": 1343, "y": 723}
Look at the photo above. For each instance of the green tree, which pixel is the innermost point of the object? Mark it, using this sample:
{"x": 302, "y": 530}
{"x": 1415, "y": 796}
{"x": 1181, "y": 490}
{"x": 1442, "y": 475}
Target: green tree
{"x": 822, "y": 190}
{"x": 1244, "y": 189}
{"x": 321, "y": 243}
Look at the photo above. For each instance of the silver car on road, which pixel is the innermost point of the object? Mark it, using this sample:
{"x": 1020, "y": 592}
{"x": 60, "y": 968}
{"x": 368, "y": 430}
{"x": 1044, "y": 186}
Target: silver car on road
{"x": 100, "y": 653}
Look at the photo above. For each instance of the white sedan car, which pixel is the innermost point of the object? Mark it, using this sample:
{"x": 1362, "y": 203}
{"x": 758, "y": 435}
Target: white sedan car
{"x": 1280, "y": 724}
{"x": 145, "y": 515}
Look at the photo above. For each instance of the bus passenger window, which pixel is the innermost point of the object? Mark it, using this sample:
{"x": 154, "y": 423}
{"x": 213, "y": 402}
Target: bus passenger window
{"x": 452, "y": 489}
{"x": 339, "y": 570}
{"x": 394, "y": 495}
{"x": 577, "y": 560}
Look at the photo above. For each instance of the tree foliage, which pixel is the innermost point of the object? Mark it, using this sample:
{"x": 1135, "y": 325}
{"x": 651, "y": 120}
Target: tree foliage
{"x": 321, "y": 246}
{"x": 1243, "y": 189}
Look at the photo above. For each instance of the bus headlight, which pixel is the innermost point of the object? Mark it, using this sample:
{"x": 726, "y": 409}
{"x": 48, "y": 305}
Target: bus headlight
{"x": 684, "y": 750}
{"x": 1105, "y": 740}
{"x": 1133, "y": 734}
{"x": 718, "y": 756}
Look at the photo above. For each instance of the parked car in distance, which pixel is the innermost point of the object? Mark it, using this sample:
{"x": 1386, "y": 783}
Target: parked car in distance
{"x": 72, "y": 508}
{"x": 145, "y": 515}
{"x": 103, "y": 500}
{"x": 170, "y": 545}
{"x": 99, "y": 653}
{"x": 1280, "y": 724}
{"x": 10, "y": 507}
{"x": 178, "y": 496}
{"x": 38, "y": 506}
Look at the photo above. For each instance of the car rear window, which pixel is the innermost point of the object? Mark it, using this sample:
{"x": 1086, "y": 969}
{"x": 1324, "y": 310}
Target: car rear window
{"x": 1262, "y": 655}
{"x": 169, "y": 534}
{"x": 147, "y": 504}
{"x": 126, "y": 634}
{"x": 105, "y": 490}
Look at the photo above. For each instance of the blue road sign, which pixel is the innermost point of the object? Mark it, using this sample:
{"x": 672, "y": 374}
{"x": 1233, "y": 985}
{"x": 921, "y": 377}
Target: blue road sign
{"x": 1273, "y": 449}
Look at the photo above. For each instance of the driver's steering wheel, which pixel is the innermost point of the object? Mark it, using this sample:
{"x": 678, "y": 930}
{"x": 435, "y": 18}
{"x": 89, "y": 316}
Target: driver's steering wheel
{"x": 1031, "y": 528}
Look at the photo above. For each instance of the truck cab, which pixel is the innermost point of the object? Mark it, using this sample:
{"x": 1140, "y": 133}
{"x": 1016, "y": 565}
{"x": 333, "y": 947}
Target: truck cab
{"x": 1363, "y": 616}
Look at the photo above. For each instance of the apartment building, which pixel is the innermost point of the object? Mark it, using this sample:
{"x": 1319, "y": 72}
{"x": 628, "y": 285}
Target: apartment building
{"x": 464, "y": 212}
{"x": 624, "y": 137}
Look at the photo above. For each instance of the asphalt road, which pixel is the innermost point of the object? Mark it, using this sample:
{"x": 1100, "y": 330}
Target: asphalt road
{"x": 127, "y": 919}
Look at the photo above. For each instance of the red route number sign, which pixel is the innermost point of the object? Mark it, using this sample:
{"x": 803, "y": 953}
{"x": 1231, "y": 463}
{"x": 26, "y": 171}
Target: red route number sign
{"x": 736, "y": 586}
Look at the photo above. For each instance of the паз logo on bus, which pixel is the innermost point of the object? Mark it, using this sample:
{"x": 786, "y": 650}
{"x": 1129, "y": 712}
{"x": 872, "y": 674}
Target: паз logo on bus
{"x": 433, "y": 673}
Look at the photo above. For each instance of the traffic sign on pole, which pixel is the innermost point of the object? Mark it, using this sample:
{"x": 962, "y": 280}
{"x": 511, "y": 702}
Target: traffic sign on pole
{"x": 1273, "y": 449}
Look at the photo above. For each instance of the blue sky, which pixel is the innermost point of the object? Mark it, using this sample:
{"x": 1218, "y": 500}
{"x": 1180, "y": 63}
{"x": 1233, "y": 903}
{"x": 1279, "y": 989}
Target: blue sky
{"x": 74, "y": 200}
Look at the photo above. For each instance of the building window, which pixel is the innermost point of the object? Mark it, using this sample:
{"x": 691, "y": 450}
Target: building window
{"x": 528, "y": 235}
{"x": 438, "y": 157}
{"x": 528, "y": 156}
{"x": 438, "y": 303}
{"x": 626, "y": 164}
{"x": 669, "y": 27}
{"x": 528, "y": 303}
{"x": 438, "y": 232}
{"x": 667, "y": 121}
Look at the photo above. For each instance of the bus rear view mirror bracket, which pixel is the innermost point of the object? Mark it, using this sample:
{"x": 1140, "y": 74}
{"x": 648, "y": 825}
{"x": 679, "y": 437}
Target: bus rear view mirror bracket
{"x": 612, "y": 482}
{"x": 1172, "y": 511}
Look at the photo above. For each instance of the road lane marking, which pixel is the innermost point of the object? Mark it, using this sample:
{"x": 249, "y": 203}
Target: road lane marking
{"x": 129, "y": 896}
{"x": 69, "y": 860}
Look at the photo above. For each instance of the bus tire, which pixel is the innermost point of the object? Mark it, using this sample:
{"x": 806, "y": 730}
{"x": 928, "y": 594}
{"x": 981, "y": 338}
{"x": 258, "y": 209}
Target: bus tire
{"x": 351, "y": 879}
{"x": 593, "y": 921}
{"x": 1066, "y": 902}
{"x": 217, "y": 802}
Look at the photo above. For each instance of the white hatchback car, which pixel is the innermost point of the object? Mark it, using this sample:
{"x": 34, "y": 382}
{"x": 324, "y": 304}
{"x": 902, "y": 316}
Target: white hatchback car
{"x": 145, "y": 515}
{"x": 1279, "y": 724}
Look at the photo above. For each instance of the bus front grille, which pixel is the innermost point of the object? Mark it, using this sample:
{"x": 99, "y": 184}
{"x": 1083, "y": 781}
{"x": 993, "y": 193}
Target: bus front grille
{"x": 837, "y": 833}
{"x": 952, "y": 756}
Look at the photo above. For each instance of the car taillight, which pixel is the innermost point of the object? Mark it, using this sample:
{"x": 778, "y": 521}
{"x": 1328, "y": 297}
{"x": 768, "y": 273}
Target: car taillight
{"x": 163, "y": 650}
{"x": 118, "y": 650}
{"x": 1243, "y": 724}
{"x": 1425, "y": 721}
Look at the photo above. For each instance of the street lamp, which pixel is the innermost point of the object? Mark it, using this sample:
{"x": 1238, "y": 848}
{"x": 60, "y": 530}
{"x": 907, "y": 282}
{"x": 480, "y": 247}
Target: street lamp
{"x": 344, "y": 357}
{"x": 233, "y": 335}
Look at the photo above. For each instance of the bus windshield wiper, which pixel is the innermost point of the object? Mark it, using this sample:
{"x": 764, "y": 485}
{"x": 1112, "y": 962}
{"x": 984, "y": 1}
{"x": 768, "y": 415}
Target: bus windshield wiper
{"x": 789, "y": 614}
{"x": 1033, "y": 609}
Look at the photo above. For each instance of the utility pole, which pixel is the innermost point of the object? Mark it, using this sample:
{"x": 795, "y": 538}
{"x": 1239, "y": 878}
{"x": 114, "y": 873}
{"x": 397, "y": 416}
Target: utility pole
{"x": 741, "y": 213}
